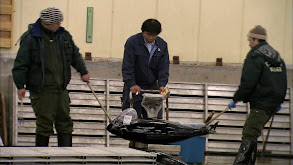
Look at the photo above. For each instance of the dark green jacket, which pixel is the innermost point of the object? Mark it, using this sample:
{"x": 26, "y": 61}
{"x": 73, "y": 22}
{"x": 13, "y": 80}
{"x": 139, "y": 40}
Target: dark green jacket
{"x": 264, "y": 79}
{"x": 30, "y": 63}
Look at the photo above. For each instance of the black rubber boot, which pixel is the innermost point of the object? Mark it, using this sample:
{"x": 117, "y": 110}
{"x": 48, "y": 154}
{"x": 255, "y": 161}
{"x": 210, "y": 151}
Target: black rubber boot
{"x": 65, "y": 140}
{"x": 42, "y": 141}
{"x": 253, "y": 155}
{"x": 246, "y": 153}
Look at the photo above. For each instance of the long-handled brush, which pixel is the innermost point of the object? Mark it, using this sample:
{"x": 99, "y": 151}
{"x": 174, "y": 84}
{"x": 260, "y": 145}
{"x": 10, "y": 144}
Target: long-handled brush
{"x": 209, "y": 117}
{"x": 211, "y": 120}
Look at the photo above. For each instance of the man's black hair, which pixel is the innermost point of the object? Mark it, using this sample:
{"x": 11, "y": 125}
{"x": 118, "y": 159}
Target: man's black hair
{"x": 152, "y": 26}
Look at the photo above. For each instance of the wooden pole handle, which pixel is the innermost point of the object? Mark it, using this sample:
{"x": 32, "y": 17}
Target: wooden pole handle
{"x": 167, "y": 109}
{"x": 267, "y": 137}
{"x": 217, "y": 116}
{"x": 210, "y": 117}
{"x": 150, "y": 90}
{"x": 99, "y": 102}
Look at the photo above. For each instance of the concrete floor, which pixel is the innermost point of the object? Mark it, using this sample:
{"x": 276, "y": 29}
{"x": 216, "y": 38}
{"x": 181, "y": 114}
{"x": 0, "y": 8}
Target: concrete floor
{"x": 100, "y": 155}
{"x": 228, "y": 160}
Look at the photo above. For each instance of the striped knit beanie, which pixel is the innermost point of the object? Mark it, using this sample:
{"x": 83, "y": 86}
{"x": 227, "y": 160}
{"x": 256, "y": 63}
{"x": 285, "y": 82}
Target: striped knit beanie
{"x": 258, "y": 32}
{"x": 51, "y": 15}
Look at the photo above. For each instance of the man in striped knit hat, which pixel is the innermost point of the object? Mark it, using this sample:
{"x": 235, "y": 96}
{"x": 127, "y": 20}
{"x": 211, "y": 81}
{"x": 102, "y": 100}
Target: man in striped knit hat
{"x": 42, "y": 66}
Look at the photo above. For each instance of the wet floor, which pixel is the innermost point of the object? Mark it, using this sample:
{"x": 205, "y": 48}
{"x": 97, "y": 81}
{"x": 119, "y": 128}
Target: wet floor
{"x": 228, "y": 160}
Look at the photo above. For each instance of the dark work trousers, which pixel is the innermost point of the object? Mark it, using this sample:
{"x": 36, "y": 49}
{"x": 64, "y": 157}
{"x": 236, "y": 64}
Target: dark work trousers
{"x": 255, "y": 123}
{"x": 137, "y": 99}
{"x": 52, "y": 107}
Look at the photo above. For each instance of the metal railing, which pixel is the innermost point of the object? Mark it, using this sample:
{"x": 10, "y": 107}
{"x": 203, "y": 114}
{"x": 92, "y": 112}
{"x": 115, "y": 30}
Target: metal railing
{"x": 188, "y": 102}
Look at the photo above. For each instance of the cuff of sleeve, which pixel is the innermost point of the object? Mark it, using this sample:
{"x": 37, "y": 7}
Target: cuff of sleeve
{"x": 162, "y": 84}
{"x": 236, "y": 97}
{"x": 82, "y": 73}
{"x": 131, "y": 83}
{"x": 19, "y": 86}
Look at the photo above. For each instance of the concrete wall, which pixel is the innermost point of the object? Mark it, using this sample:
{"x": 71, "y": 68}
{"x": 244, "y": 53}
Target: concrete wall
{"x": 198, "y": 31}
{"x": 178, "y": 73}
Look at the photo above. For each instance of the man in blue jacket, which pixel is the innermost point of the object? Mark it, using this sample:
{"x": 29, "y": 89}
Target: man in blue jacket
{"x": 145, "y": 64}
{"x": 42, "y": 66}
{"x": 263, "y": 85}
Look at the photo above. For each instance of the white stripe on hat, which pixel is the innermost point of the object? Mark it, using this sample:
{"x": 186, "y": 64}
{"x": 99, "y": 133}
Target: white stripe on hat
{"x": 51, "y": 15}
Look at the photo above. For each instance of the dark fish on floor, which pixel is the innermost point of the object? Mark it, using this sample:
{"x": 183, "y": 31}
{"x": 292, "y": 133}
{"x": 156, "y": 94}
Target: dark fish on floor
{"x": 154, "y": 131}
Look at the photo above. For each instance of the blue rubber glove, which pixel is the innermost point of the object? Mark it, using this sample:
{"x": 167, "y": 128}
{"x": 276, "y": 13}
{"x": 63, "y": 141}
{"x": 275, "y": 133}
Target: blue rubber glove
{"x": 278, "y": 108}
{"x": 232, "y": 104}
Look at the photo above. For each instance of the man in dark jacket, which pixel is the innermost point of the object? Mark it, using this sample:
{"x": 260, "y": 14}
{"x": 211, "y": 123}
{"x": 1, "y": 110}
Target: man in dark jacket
{"x": 263, "y": 85}
{"x": 42, "y": 66}
{"x": 145, "y": 64}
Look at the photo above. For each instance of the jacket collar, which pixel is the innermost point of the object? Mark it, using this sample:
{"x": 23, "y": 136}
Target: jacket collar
{"x": 36, "y": 29}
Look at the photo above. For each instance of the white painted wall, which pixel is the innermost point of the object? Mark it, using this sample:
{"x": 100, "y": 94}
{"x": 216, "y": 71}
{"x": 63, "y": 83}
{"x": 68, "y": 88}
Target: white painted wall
{"x": 199, "y": 31}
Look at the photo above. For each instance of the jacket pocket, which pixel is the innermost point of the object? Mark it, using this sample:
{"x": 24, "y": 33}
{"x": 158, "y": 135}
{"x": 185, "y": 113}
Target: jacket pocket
{"x": 155, "y": 61}
{"x": 36, "y": 56}
{"x": 141, "y": 58}
{"x": 68, "y": 53}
